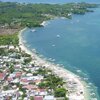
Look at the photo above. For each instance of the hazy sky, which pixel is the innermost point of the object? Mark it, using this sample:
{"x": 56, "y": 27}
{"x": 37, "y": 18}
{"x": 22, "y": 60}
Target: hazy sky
{"x": 53, "y": 1}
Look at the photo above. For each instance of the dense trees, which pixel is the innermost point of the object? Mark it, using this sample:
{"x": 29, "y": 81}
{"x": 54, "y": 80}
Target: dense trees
{"x": 27, "y": 60}
{"x": 9, "y": 39}
{"x": 15, "y": 14}
{"x": 60, "y": 92}
{"x": 3, "y": 52}
{"x": 52, "y": 82}
{"x": 11, "y": 69}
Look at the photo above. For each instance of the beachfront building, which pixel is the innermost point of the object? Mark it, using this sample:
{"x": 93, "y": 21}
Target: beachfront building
{"x": 49, "y": 97}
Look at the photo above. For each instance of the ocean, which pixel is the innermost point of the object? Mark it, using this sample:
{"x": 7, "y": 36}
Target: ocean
{"x": 74, "y": 43}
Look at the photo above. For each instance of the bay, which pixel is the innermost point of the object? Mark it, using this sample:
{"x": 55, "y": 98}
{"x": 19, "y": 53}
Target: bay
{"x": 73, "y": 43}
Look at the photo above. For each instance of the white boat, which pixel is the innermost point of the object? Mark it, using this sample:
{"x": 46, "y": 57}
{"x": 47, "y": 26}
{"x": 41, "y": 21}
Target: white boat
{"x": 33, "y": 30}
{"x": 79, "y": 71}
{"x": 53, "y": 45}
{"x": 58, "y": 36}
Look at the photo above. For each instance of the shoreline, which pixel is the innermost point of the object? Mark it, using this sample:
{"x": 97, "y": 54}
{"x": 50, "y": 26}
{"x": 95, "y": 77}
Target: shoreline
{"x": 71, "y": 79}
{"x": 44, "y": 23}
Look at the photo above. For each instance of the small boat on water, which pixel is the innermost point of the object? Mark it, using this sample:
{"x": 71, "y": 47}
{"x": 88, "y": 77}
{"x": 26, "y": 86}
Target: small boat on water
{"x": 53, "y": 45}
{"x": 33, "y": 30}
{"x": 58, "y": 36}
{"x": 78, "y": 71}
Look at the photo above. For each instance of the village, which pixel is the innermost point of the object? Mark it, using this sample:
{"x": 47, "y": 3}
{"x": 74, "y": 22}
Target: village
{"x": 21, "y": 79}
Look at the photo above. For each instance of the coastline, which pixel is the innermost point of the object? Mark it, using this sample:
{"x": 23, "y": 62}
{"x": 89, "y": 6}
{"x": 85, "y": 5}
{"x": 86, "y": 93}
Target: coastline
{"x": 44, "y": 23}
{"x": 71, "y": 79}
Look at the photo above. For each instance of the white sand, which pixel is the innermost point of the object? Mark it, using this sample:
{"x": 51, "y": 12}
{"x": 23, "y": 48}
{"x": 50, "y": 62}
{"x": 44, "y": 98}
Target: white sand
{"x": 44, "y": 23}
{"x": 74, "y": 84}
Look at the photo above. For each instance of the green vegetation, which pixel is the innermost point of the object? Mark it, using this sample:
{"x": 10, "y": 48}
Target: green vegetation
{"x": 3, "y": 52}
{"x": 25, "y": 54}
{"x": 31, "y": 98}
{"x": 41, "y": 71}
{"x": 52, "y": 82}
{"x": 15, "y": 15}
{"x": 60, "y": 92}
{"x": 11, "y": 69}
{"x": 10, "y": 39}
{"x": 18, "y": 56}
{"x": 27, "y": 60}
{"x": 42, "y": 85}
{"x": 5, "y": 88}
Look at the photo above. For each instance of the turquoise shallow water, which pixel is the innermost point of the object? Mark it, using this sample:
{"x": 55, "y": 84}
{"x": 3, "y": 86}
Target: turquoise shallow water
{"x": 74, "y": 43}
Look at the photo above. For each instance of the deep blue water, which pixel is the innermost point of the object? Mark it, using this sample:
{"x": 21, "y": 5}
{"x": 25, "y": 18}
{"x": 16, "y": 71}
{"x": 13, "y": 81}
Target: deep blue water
{"x": 74, "y": 43}
{"x": 53, "y": 1}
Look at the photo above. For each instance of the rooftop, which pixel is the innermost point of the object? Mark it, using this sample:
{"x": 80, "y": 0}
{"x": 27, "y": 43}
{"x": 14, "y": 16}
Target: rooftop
{"x": 38, "y": 98}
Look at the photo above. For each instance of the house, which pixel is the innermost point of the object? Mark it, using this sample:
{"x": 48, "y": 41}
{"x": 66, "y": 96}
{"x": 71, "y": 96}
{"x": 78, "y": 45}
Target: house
{"x": 24, "y": 81}
{"x": 49, "y": 98}
{"x": 37, "y": 81}
{"x": 29, "y": 74}
{"x": 9, "y": 79}
{"x": 2, "y": 76}
{"x": 15, "y": 81}
{"x": 42, "y": 92}
{"x": 18, "y": 74}
{"x": 11, "y": 47}
{"x": 8, "y": 92}
{"x": 17, "y": 66}
{"x": 38, "y": 98}
{"x": 12, "y": 75}
{"x": 29, "y": 87}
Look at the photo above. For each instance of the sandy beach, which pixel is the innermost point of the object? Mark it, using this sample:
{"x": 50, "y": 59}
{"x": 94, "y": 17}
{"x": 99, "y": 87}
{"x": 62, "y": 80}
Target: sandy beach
{"x": 44, "y": 23}
{"x": 74, "y": 84}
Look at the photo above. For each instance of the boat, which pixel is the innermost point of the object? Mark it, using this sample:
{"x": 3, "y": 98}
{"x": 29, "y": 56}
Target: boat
{"x": 53, "y": 45}
{"x": 33, "y": 30}
{"x": 58, "y": 36}
{"x": 79, "y": 71}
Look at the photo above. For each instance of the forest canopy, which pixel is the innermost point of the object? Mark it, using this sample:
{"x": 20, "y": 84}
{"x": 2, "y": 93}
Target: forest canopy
{"x": 16, "y": 15}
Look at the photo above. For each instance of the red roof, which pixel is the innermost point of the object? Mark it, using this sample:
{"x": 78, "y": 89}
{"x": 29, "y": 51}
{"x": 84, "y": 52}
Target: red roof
{"x": 9, "y": 79}
{"x": 24, "y": 80}
{"x": 18, "y": 74}
{"x": 29, "y": 87}
{"x": 38, "y": 98}
{"x": 42, "y": 90}
{"x": 2, "y": 75}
